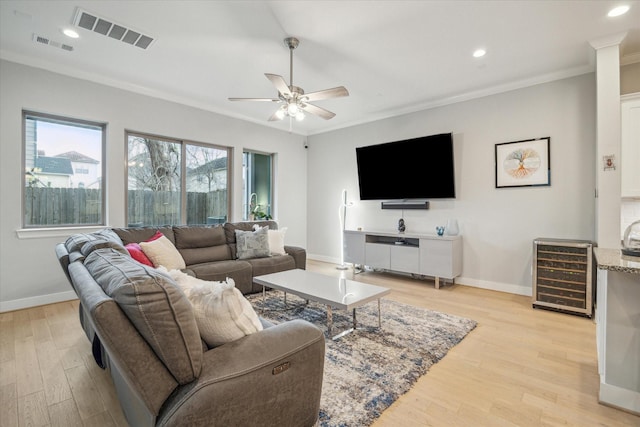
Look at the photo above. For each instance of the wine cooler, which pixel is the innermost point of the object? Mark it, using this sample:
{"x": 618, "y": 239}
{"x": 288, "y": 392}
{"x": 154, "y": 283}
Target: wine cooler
{"x": 563, "y": 275}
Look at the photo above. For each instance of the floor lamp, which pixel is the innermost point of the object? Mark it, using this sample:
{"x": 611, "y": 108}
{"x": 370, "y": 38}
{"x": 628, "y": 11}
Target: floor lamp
{"x": 342, "y": 214}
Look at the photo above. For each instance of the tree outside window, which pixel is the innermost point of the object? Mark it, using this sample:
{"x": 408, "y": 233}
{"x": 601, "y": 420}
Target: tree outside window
{"x": 158, "y": 171}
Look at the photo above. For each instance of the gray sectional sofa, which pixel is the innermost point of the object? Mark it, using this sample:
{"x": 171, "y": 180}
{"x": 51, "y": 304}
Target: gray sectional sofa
{"x": 143, "y": 330}
{"x": 210, "y": 252}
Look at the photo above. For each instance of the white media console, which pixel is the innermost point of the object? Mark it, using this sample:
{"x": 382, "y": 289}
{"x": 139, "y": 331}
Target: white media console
{"x": 422, "y": 254}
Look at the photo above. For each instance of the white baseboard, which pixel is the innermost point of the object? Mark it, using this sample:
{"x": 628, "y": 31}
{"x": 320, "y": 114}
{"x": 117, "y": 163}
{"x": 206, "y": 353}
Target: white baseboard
{"x": 467, "y": 281}
{"x": 323, "y": 258}
{"x": 496, "y": 286}
{"x": 19, "y": 304}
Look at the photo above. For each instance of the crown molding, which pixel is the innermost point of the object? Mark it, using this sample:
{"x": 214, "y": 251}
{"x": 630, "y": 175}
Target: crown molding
{"x": 608, "y": 41}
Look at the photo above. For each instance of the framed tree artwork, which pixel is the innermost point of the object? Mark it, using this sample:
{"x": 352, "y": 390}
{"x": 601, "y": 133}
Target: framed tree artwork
{"x": 523, "y": 163}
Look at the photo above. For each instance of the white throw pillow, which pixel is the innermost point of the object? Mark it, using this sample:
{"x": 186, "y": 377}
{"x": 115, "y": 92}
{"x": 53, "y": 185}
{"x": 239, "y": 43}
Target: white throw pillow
{"x": 222, "y": 313}
{"x": 162, "y": 252}
{"x": 276, "y": 241}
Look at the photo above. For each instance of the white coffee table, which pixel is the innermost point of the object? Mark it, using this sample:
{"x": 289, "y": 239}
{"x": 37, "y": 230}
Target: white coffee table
{"x": 335, "y": 292}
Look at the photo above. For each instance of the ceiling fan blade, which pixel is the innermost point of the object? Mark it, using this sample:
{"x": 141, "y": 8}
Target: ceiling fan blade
{"x": 279, "y": 83}
{"x": 318, "y": 111}
{"x": 335, "y": 92}
{"x": 274, "y": 117}
{"x": 255, "y": 99}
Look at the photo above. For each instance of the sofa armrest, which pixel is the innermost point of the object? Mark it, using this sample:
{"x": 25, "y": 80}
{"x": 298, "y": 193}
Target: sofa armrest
{"x": 273, "y": 377}
{"x": 63, "y": 258}
{"x": 299, "y": 255}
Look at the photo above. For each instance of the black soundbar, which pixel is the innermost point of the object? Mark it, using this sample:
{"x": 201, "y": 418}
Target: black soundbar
{"x": 405, "y": 205}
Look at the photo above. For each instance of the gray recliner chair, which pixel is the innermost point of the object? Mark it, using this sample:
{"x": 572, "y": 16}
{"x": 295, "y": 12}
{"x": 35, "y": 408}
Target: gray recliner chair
{"x": 144, "y": 332}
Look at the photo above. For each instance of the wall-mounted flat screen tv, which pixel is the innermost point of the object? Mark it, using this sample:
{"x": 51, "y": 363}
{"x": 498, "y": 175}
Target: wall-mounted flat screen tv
{"x": 418, "y": 168}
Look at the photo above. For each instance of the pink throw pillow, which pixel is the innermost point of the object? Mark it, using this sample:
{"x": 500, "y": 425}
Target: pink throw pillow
{"x": 155, "y": 236}
{"x": 137, "y": 253}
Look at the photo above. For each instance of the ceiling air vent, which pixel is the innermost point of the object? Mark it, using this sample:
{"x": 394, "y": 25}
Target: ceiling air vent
{"x": 107, "y": 27}
{"x": 47, "y": 41}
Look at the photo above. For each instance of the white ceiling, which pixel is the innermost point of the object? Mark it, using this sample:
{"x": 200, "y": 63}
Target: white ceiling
{"x": 394, "y": 57}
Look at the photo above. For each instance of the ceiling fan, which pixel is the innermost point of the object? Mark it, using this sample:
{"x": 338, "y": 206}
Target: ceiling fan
{"x": 293, "y": 99}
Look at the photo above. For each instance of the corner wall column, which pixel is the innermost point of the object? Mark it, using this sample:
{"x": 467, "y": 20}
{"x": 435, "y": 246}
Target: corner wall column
{"x": 608, "y": 137}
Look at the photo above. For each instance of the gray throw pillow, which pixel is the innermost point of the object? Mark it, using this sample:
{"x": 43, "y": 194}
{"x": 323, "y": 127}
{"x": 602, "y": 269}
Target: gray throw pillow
{"x": 252, "y": 244}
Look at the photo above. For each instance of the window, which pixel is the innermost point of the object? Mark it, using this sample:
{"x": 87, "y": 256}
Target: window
{"x": 172, "y": 182}
{"x": 257, "y": 190}
{"x": 54, "y": 148}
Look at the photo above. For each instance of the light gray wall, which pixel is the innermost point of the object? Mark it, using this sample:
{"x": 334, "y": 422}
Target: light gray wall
{"x": 498, "y": 225}
{"x": 29, "y": 272}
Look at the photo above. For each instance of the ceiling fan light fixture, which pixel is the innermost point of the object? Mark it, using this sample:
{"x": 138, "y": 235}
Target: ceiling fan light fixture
{"x": 292, "y": 109}
{"x": 292, "y": 98}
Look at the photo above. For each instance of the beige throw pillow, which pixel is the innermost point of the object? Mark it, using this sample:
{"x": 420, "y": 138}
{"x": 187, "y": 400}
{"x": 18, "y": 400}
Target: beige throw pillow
{"x": 222, "y": 313}
{"x": 162, "y": 252}
{"x": 276, "y": 241}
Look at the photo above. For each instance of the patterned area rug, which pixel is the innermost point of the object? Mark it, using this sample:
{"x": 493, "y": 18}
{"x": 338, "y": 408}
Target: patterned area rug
{"x": 368, "y": 369}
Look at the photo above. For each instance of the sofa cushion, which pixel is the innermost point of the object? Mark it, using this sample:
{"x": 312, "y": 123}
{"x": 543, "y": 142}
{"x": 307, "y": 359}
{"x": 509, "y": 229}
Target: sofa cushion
{"x": 162, "y": 252}
{"x": 273, "y": 264}
{"x": 231, "y": 227}
{"x": 155, "y": 305}
{"x": 74, "y": 243}
{"x": 201, "y": 244}
{"x": 240, "y": 271}
{"x": 142, "y": 234}
{"x": 93, "y": 245}
{"x": 252, "y": 244}
{"x": 222, "y": 313}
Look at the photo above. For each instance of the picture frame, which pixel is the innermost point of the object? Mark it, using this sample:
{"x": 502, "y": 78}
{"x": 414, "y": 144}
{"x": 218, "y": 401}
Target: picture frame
{"x": 525, "y": 163}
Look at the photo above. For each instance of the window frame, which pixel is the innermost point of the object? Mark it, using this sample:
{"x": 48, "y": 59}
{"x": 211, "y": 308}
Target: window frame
{"x": 71, "y": 121}
{"x": 246, "y": 194}
{"x": 183, "y": 170}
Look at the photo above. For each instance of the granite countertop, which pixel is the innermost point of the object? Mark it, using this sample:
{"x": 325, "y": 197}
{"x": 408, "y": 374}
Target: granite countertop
{"x": 614, "y": 260}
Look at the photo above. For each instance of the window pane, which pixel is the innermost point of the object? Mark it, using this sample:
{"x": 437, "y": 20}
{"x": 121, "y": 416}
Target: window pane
{"x": 257, "y": 185}
{"x": 206, "y": 185}
{"x": 154, "y": 189}
{"x": 63, "y": 172}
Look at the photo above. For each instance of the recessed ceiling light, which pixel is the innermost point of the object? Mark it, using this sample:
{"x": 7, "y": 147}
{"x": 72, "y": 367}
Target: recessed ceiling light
{"x": 70, "y": 33}
{"x": 617, "y": 11}
{"x": 479, "y": 53}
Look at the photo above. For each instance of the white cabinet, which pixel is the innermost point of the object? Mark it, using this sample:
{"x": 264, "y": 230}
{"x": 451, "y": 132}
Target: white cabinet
{"x": 630, "y": 148}
{"x": 405, "y": 258}
{"x": 377, "y": 255}
{"x": 618, "y": 329}
{"x": 428, "y": 255}
{"x": 441, "y": 258}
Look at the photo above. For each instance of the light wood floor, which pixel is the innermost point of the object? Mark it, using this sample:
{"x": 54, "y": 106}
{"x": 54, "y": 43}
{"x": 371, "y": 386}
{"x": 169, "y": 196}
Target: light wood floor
{"x": 519, "y": 367}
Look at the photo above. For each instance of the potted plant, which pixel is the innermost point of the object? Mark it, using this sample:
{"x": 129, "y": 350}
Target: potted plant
{"x": 258, "y": 213}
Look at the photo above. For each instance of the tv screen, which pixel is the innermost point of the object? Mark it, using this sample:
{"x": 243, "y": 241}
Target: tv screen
{"x": 418, "y": 168}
